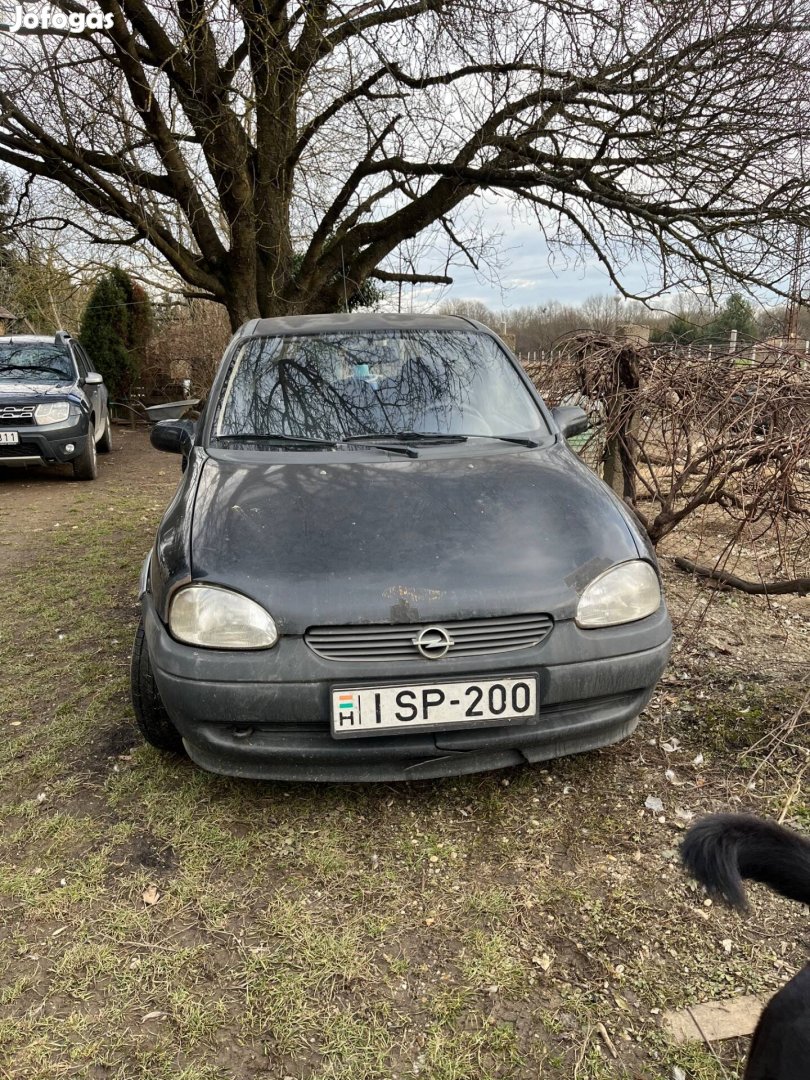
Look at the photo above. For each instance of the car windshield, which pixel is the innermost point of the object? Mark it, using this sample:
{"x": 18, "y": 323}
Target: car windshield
{"x": 34, "y": 362}
{"x": 344, "y": 385}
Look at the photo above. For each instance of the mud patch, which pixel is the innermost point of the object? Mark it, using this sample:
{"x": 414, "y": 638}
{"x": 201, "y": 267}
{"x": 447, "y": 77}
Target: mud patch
{"x": 108, "y": 744}
{"x": 148, "y": 852}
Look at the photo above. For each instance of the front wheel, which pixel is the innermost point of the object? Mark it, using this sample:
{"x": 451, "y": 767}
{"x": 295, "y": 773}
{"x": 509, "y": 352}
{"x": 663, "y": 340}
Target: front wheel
{"x": 150, "y": 714}
{"x": 85, "y": 466}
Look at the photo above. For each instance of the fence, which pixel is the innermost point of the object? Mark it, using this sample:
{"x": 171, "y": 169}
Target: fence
{"x": 732, "y": 345}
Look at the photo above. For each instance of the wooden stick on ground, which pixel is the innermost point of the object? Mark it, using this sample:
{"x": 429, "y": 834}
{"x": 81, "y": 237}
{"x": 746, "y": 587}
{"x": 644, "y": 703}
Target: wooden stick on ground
{"x": 800, "y": 586}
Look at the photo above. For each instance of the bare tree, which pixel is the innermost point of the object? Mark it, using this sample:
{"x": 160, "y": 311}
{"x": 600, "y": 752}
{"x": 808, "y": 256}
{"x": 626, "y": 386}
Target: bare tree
{"x": 539, "y": 328}
{"x": 276, "y": 154}
{"x": 189, "y": 343}
{"x": 474, "y": 309}
{"x": 35, "y": 285}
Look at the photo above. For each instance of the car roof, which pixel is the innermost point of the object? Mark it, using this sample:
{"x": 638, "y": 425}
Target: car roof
{"x": 325, "y": 324}
{"x": 31, "y": 339}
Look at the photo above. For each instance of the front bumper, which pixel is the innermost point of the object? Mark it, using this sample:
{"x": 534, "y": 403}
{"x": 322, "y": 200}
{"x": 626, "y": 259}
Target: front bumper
{"x": 45, "y": 445}
{"x": 265, "y": 715}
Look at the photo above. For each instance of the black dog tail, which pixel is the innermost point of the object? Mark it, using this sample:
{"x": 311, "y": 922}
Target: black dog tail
{"x": 723, "y": 849}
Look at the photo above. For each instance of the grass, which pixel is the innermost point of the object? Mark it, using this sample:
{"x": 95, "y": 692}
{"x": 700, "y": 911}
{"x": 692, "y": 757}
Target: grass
{"x": 473, "y": 929}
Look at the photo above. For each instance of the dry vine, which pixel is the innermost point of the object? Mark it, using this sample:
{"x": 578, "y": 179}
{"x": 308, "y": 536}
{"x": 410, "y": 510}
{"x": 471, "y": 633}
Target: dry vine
{"x": 680, "y": 432}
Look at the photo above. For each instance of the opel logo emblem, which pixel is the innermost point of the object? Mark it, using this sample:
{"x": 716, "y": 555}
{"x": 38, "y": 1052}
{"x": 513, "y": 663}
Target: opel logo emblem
{"x": 433, "y": 642}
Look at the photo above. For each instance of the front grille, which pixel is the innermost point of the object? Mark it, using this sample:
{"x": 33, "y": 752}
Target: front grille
{"x": 22, "y": 449}
{"x": 470, "y": 637}
{"x": 19, "y": 414}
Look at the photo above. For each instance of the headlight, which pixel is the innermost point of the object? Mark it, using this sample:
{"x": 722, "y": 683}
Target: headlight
{"x": 52, "y": 412}
{"x": 220, "y": 619}
{"x": 622, "y": 594}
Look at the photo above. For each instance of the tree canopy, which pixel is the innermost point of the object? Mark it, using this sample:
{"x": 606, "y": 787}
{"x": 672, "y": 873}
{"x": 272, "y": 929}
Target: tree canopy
{"x": 277, "y": 154}
{"x": 116, "y": 326}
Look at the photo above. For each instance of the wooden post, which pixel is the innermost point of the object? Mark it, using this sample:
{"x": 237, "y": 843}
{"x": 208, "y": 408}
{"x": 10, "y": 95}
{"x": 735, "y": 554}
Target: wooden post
{"x": 621, "y": 418}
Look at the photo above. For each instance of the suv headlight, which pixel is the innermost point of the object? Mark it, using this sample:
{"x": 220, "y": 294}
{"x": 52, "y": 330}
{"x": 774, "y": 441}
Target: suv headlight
{"x": 623, "y": 594}
{"x": 52, "y": 412}
{"x": 220, "y": 619}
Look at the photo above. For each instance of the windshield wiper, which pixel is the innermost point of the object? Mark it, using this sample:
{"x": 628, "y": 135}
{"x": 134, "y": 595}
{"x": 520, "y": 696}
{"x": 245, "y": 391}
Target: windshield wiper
{"x": 519, "y": 440}
{"x": 374, "y": 438}
{"x": 282, "y": 440}
{"x": 407, "y": 436}
{"x": 308, "y": 441}
{"x": 438, "y": 436}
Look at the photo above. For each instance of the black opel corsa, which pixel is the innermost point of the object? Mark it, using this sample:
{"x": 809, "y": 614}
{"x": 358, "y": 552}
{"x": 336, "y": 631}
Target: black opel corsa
{"x": 383, "y": 562}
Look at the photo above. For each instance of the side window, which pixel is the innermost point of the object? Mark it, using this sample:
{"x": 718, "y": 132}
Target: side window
{"x": 81, "y": 360}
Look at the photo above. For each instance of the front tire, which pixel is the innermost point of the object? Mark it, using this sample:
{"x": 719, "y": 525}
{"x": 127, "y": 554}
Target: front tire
{"x": 105, "y": 442}
{"x": 150, "y": 714}
{"x": 85, "y": 467}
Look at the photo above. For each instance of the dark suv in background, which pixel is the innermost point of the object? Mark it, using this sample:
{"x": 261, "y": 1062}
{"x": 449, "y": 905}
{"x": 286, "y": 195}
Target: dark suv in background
{"x": 53, "y": 406}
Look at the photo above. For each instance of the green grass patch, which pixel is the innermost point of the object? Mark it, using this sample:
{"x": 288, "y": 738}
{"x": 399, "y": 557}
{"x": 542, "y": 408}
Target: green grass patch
{"x": 472, "y": 929}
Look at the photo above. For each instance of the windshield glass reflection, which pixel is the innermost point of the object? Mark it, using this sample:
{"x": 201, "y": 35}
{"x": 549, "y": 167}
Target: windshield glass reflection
{"x": 34, "y": 362}
{"x": 335, "y": 386}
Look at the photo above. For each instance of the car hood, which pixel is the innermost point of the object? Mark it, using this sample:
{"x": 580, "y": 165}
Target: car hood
{"x": 18, "y": 388}
{"x": 441, "y": 537}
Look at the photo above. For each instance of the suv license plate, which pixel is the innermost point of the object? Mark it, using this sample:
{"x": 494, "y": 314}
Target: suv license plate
{"x": 393, "y": 710}
{"x": 9, "y": 438}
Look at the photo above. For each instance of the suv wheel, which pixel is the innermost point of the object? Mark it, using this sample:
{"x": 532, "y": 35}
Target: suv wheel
{"x": 150, "y": 715}
{"x": 105, "y": 442}
{"x": 85, "y": 467}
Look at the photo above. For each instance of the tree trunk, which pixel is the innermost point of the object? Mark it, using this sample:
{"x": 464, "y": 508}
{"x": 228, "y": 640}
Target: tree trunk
{"x": 240, "y": 307}
{"x": 240, "y": 287}
{"x": 245, "y": 301}
{"x": 622, "y": 421}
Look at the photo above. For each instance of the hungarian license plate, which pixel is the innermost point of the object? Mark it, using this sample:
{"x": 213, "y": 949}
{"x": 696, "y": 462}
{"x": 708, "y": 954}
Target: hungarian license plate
{"x": 9, "y": 438}
{"x": 389, "y": 710}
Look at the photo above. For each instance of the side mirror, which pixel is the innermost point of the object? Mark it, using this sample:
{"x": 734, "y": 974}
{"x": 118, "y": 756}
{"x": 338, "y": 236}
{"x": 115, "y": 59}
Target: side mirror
{"x": 92, "y": 378}
{"x": 571, "y": 420}
{"x": 173, "y": 436}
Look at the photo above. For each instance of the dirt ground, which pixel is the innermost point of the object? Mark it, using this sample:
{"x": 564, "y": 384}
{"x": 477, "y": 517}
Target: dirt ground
{"x": 34, "y": 502}
{"x": 158, "y": 921}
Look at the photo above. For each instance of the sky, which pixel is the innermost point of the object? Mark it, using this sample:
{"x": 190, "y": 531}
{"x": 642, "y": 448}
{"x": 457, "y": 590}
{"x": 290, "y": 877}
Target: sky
{"x": 531, "y": 274}
{"x": 527, "y": 272}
